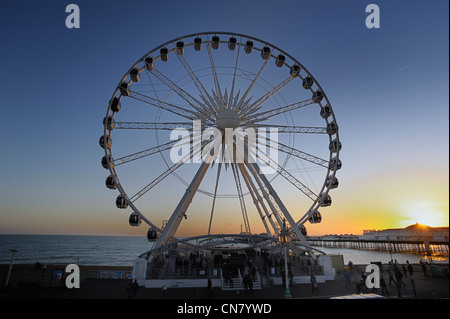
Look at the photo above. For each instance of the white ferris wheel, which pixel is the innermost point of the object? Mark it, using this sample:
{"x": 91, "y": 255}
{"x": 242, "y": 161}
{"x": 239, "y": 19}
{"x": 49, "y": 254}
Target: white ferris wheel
{"x": 166, "y": 144}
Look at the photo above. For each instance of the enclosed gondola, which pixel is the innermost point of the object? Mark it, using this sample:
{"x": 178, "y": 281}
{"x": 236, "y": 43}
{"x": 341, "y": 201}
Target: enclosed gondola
{"x": 295, "y": 70}
{"x": 121, "y": 202}
{"x": 303, "y": 230}
{"x": 108, "y": 122}
{"x": 335, "y": 145}
{"x": 279, "y": 62}
{"x": 110, "y": 182}
{"x": 332, "y": 128}
{"x": 232, "y": 43}
{"x": 134, "y": 75}
{"x": 197, "y": 44}
{"x": 180, "y": 47}
{"x": 248, "y": 47}
{"x": 135, "y": 219}
{"x": 265, "y": 53}
{"x": 149, "y": 63}
{"x": 315, "y": 218}
{"x": 325, "y": 201}
{"x": 164, "y": 54}
{"x": 124, "y": 90}
{"x": 152, "y": 234}
{"x": 105, "y": 143}
{"x": 332, "y": 181}
{"x": 325, "y": 112}
{"x": 115, "y": 104}
{"x": 215, "y": 42}
{"x": 307, "y": 82}
{"x": 317, "y": 96}
{"x": 105, "y": 162}
{"x": 335, "y": 164}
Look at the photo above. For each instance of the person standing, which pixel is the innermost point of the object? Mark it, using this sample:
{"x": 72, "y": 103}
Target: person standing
{"x": 383, "y": 286}
{"x": 134, "y": 288}
{"x": 398, "y": 276}
{"x": 347, "y": 278}
{"x": 410, "y": 269}
{"x": 210, "y": 291}
{"x": 391, "y": 277}
{"x": 405, "y": 271}
{"x": 314, "y": 287}
{"x": 350, "y": 265}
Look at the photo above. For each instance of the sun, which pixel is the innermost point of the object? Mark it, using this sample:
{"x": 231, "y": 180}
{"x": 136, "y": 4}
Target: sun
{"x": 423, "y": 212}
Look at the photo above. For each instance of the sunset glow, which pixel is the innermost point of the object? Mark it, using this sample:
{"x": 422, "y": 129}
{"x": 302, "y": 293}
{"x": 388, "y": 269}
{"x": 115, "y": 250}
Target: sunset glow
{"x": 388, "y": 88}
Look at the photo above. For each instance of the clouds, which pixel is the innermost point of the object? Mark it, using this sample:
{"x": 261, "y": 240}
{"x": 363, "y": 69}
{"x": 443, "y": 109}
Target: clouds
{"x": 406, "y": 67}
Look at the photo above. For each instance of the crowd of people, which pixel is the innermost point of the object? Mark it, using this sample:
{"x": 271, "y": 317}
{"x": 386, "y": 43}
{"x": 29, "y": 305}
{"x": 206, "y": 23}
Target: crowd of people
{"x": 396, "y": 274}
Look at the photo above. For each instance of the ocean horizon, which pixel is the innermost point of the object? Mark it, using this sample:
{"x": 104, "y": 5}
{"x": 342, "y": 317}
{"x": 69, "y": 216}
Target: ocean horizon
{"x": 71, "y": 249}
{"x": 123, "y": 250}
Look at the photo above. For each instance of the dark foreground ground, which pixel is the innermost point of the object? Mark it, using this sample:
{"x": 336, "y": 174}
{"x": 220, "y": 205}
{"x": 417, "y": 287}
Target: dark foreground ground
{"x": 35, "y": 284}
{"x": 426, "y": 288}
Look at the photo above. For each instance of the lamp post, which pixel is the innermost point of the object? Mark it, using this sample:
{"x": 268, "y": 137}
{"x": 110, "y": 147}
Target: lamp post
{"x": 14, "y": 252}
{"x": 390, "y": 249}
{"x": 284, "y": 238}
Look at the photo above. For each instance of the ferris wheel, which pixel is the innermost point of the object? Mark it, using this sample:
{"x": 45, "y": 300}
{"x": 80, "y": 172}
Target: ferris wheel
{"x": 231, "y": 120}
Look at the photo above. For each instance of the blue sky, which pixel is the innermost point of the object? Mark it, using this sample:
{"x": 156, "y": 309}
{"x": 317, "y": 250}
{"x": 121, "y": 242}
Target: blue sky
{"x": 388, "y": 86}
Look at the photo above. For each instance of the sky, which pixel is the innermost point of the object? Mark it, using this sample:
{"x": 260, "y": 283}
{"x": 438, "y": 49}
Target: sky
{"x": 388, "y": 87}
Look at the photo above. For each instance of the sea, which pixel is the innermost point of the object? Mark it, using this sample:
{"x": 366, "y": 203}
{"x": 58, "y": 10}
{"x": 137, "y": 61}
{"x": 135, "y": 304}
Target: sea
{"x": 123, "y": 250}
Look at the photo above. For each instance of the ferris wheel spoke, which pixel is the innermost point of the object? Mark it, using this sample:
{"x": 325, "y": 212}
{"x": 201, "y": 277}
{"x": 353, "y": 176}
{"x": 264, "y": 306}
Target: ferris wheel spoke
{"x": 180, "y": 211}
{"x": 274, "y": 208}
{"x": 257, "y": 200}
{"x": 168, "y": 172}
{"x": 255, "y": 105}
{"x": 193, "y": 102}
{"x": 219, "y": 167}
{"x": 276, "y": 145}
{"x": 244, "y": 97}
{"x": 262, "y": 116}
{"x": 266, "y": 159}
{"x": 292, "y": 129}
{"x": 303, "y": 155}
{"x": 230, "y": 102}
{"x": 241, "y": 199}
{"x": 254, "y": 171}
{"x": 152, "y": 125}
{"x": 218, "y": 92}
{"x": 281, "y": 208}
{"x": 297, "y": 153}
{"x": 207, "y": 99}
{"x": 145, "y": 153}
{"x": 188, "y": 114}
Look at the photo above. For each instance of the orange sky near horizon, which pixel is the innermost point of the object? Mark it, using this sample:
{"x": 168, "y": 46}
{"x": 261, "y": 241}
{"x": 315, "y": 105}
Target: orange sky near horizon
{"x": 391, "y": 200}
{"x": 393, "y": 120}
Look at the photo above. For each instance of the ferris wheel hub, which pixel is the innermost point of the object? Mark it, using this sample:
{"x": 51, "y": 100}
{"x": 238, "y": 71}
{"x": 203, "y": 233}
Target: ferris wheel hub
{"x": 228, "y": 119}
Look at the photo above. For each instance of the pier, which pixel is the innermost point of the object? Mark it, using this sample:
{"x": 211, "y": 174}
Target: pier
{"x": 424, "y": 247}
{"x": 417, "y": 238}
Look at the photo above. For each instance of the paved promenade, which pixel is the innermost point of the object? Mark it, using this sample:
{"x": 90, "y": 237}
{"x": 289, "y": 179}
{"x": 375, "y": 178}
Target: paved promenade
{"x": 426, "y": 287}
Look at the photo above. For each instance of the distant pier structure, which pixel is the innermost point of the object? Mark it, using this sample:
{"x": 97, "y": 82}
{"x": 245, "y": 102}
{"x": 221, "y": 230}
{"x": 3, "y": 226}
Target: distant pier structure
{"x": 416, "y": 238}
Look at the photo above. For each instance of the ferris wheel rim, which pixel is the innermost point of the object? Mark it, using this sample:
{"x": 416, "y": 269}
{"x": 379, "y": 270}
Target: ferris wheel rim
{"x": 330, "y": 172}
